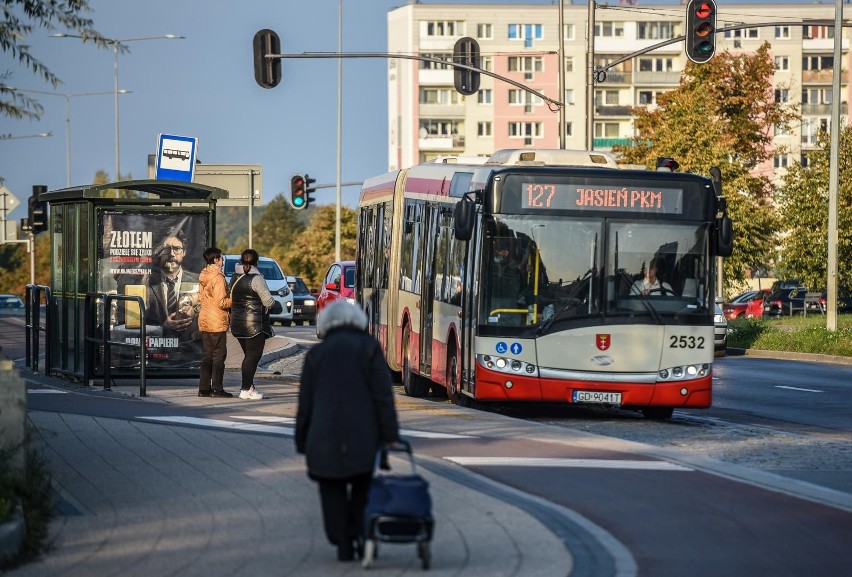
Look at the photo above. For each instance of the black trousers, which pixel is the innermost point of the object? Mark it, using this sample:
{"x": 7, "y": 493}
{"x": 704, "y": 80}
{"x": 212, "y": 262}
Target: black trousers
{"x": 215, "y": 349}
{"x": 343, "y": 504}
{"x": 253, "y": 350}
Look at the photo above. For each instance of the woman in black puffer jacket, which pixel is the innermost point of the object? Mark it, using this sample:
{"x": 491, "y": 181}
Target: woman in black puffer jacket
{"x": 250, "y": 324}
{"x": 346, "y": 413}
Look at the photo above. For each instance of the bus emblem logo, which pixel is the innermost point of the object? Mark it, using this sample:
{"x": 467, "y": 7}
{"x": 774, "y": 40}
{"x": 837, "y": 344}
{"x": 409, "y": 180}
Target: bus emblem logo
{"x": 603, "y": 341}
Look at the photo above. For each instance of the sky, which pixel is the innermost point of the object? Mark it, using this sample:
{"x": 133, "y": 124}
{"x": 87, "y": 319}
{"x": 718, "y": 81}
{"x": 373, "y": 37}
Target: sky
{"x": 203, "y": 87}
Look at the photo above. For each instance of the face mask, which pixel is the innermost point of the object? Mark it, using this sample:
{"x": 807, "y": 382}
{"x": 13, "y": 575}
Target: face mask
{"x": 499, "y": 258}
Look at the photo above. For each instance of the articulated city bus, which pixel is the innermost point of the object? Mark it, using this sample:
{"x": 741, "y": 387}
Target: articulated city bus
{"x": 545, "y": 275}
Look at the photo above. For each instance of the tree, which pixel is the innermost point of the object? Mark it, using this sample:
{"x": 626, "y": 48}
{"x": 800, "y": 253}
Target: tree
{"x": 312, "y": 250}
{"x": 275, "y": 231}
{"x": 722, "y": 114}
{"x": 803, "y": 207}
{"x": 22, "y": 17}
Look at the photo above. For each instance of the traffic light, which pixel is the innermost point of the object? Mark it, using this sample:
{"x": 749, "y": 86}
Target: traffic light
{"x": 700, "y": 39}
{"x": 466, "y": 51}
{"x": 37, "y": 217}
{"x": 267, "y": 71}
{"x": 300, "y": 191}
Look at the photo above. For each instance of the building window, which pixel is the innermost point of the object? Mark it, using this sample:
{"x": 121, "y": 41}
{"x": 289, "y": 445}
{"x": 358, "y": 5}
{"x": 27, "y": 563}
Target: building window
{"x": 525, "y": 64}
{"x": 818, "y": 62}
{"x": 816, "y": 96}
{"x": 569, "y": 129}
{"x": 483, "y": 129}
{"x": 569, "y": 96}
{"x": 656, "y": 65}
{"x": 426, "y": 65}
{"x": 484, "y": 31}
{"x": 782, "y": 63}
{"x": 646, "y": 97}
{"x": 569, "y": 32}
{"x": 782, "y": 95}
{"x": 782, "y": 32}
{"x": 815, "y": 32}
{"x": 747, "y": 33}
{"x": 525, "y": 32}
{"x": 441, "y": 96}
{"x": 438, "y": 128}
{"x": 569, "y": 64}
{"x": 606, "y": 130}
{"x": 609, "y": 29}
{"x": 522, "y": 97}
{"x": 484, "y": 96}
{"x": 525, "y": 129}
{"x": 485, "y": 62}
{"x": 444, "y": 28}
{"x": 607, "y": 97}
{"x": 656, "y": 30}
{"x": 780, "y": 160}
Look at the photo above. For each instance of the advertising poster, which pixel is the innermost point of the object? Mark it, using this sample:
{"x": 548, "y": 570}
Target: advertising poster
{"x": 156, "y": 256}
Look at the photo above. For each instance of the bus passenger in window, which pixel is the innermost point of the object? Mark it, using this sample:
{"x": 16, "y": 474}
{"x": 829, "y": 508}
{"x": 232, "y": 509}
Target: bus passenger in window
{"x": 651, "y": 285}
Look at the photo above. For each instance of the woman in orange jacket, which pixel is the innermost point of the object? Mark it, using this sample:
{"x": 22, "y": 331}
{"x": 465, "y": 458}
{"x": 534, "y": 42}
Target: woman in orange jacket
{"x": 213, "y": 324}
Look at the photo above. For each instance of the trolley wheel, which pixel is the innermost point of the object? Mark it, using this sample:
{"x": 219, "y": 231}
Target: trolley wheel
{"x": 424, "y": 553}
{"x": 369, "y": 553}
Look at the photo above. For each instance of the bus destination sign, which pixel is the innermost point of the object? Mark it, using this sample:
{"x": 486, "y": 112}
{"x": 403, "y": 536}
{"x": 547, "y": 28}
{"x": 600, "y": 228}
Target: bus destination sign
{"x": 543, "y": 196}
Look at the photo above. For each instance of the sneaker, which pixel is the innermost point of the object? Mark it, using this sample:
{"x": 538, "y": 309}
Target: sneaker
{"x": 251, "y": 394}
{"x": 223, "y": 394}
{"x": 205, "y": 393}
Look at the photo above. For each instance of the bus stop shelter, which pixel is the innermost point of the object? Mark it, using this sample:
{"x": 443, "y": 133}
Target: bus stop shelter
{"x": 120, "y": 253}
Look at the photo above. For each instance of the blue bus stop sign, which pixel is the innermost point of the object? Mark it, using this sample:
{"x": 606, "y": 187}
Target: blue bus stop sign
{"x": 176, "y": 157}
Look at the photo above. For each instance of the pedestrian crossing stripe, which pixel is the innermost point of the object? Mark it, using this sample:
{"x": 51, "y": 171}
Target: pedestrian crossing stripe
{"x": 266, "y": 426}
{"x": 574, "y": 463}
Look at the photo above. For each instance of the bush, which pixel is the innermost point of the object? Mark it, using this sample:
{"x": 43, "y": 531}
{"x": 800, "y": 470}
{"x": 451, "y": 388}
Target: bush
{"x": 35, "y": 494}
{"x": 795, "y": 334}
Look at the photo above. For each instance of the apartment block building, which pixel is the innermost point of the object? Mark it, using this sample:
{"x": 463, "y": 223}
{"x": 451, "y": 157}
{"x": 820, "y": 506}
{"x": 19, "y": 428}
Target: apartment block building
{"x": 427, "y": 118}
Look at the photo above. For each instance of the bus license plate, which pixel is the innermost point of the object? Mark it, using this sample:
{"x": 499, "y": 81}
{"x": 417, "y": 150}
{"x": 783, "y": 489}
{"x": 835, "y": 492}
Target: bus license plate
{"x": 297, "y": 310}
{"x": 597, "y": 397}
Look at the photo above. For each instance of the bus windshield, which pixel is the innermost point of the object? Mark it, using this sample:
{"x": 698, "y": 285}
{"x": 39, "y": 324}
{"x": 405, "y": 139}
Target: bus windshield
{"x": 540, "y": 269}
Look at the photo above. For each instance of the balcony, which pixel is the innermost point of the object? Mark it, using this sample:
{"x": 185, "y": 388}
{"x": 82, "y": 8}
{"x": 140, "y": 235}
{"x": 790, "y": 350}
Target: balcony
{"x": 442, "y": 111}
{"x": 822, "y": 76}
{"x": 617, "y": 77}
{"x": 608, "y": 143}
{"x": 442, "y": 143}
{"x": 669, "y": 78}
{"x": 612, "y": 110}
{"x": 816, "y": 109}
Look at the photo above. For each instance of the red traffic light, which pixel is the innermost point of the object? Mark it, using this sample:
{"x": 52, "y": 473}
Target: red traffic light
{"x": 700, "y": 38}
{"x": 704, "y": 10}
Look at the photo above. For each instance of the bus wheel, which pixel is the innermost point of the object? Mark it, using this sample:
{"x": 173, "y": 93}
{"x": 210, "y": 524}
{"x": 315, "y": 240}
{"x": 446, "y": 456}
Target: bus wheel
{"x": 658, "y": 413}
{"x": 414, "y": 385}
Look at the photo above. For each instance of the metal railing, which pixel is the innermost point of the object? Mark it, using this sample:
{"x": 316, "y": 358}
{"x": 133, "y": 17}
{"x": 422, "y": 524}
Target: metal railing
{"x": 92, "y": 341}
{"x": 34, "y": 327}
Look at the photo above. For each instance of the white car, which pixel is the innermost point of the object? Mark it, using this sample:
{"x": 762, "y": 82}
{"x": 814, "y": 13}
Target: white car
{"x": 275, "y": 279}
{"x": 721, "y": 340}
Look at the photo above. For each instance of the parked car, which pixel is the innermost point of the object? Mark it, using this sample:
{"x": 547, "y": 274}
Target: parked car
{"x": 785, "y": 302}
{"x": 11, "y": 305}
{"x": 304, "y": 303}
{"x": 275, "y": 279}
{"x": 844, "y": 301}
{"x": 721, "y": 332}
{"x": 745, "y": 305}
{"x": 338, "y": 283}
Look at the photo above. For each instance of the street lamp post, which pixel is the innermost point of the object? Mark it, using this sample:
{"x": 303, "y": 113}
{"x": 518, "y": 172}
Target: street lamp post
{"x": 67, "y": 98}
{"x": 116, "y": 44}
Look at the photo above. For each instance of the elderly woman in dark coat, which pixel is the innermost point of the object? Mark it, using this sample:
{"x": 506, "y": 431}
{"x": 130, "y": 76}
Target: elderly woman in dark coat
{"x": 346, "y": 413}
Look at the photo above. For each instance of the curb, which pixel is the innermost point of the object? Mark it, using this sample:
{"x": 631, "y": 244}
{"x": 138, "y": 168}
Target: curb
{"x": 790, "y": 356}
{"x": 12, "y": 535}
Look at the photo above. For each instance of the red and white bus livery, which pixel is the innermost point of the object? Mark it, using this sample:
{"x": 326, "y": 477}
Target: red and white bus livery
{"x": 545, "y": 275}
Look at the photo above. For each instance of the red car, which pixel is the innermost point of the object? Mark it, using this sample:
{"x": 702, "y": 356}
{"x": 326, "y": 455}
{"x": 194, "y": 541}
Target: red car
{"x": 748, "y": 304}
{"x": 338, "y": 283}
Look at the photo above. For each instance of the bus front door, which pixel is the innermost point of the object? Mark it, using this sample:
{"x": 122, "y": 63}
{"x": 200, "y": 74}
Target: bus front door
{"x": 427, "y": 288}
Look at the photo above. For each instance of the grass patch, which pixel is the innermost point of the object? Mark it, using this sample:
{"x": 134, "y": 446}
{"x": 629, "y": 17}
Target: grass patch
{"x": 794, "y": 334}
{"x": 35, "y": 494}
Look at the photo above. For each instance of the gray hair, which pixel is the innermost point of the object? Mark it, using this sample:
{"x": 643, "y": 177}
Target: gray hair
{"x": 340, "y": 314}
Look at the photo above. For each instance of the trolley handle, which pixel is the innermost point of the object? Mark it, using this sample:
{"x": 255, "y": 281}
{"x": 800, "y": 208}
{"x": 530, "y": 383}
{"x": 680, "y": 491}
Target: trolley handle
{"x": 401, "y": 446}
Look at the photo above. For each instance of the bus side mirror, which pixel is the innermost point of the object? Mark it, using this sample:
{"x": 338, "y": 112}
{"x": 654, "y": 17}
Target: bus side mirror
{"x": 464, "y": 214}
{"x": 724, "y": 236}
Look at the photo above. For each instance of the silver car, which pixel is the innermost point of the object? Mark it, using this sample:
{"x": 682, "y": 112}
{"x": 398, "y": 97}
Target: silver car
{"x": 721, "y": 333}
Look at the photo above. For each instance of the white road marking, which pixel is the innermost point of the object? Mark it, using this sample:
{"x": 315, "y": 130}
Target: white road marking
{"x": 574, "y": 463}
{"x": 287, "y": 431}
{"x": 798, "y": 389}
{"x": 46, "y": 392}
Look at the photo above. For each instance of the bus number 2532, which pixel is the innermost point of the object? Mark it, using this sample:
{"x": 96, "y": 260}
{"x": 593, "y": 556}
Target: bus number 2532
{"x": 685, "y": 342}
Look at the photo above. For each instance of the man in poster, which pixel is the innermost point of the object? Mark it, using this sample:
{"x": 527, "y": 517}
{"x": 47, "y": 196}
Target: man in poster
{"x": 172, "y": 290}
